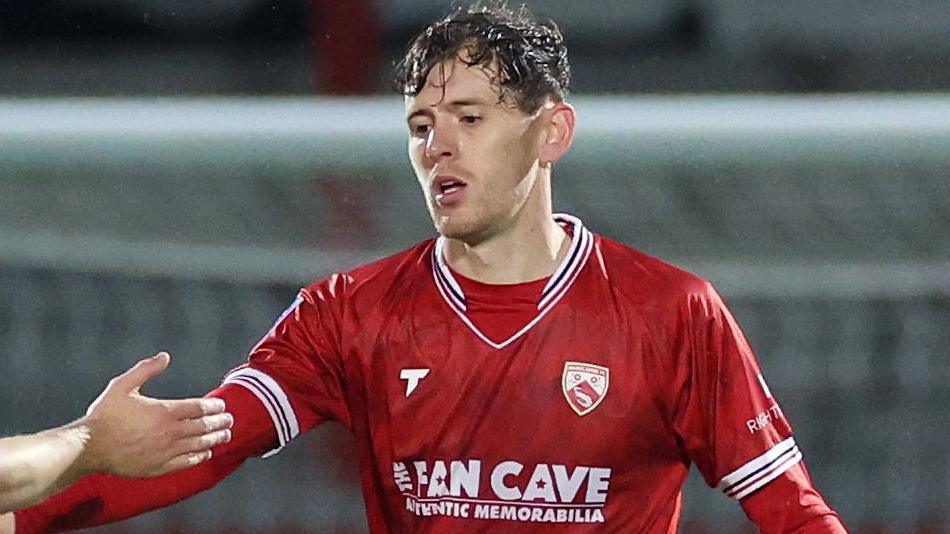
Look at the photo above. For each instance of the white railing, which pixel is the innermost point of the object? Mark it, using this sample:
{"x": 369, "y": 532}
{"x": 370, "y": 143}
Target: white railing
{"x": 346, "y": 132}
{"x": 291, "y": 135}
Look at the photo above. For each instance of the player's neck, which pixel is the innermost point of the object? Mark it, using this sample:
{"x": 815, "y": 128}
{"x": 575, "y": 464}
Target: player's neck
{"x": 529, "y": 250}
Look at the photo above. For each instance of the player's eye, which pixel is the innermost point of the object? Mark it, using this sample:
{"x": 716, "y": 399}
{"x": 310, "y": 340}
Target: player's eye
{"x": 420, "y": 129}
{"x": 470, "y": 119}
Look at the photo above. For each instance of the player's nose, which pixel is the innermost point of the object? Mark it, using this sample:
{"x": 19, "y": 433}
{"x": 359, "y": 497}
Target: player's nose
{"x": 441, "y": 143}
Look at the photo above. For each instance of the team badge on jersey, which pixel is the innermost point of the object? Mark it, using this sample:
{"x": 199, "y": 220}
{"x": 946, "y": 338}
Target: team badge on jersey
{"x": 584, "y": 385}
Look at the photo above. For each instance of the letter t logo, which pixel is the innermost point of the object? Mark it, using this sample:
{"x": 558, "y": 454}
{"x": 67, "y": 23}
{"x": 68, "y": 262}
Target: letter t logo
{"x": 412, "y": 377}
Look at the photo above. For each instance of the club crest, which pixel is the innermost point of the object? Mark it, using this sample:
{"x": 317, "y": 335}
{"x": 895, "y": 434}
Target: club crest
{"x": 584, "y": 385}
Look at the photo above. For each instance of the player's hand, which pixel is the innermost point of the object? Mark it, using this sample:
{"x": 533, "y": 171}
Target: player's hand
{"x": 132, "y": 435}
{"x": 7, "y": 523}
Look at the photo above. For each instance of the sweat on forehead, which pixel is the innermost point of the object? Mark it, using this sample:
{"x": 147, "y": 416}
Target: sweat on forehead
{"x": 456, "y": 75}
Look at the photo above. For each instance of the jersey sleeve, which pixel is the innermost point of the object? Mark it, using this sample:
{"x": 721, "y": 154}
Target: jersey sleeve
{"x": 291, "y": 382}
{"x": 731, "y": 425}
{"x": 296, "y": 370}
{"x": 790, "y": 503}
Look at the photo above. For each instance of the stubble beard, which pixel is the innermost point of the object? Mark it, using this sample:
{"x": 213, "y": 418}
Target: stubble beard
{"x": 471, "y": 229}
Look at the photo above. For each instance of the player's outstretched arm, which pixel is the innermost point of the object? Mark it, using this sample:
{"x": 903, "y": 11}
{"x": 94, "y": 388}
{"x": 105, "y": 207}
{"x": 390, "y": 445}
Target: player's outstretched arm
{"x": 104, "y": 498}
{"x": 261, "y": 425}
{"x": 123, "y": 433}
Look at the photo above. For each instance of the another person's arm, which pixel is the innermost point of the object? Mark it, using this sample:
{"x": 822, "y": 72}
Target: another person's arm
{"x": 291, "y": 383}
{"x": 123, "y": 433}
{"x": 103, "y": 498}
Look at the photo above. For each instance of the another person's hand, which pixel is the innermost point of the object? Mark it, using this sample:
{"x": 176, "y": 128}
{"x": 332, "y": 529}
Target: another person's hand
{"x": 123, "y": 433}
{"x": 131, "y": 435}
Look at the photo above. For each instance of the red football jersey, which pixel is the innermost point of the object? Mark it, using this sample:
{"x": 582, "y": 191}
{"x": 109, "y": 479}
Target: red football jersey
{"x": 584, "y": 417}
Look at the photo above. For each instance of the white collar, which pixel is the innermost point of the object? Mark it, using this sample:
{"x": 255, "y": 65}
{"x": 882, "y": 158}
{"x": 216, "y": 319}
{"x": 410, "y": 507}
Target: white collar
{"x": 562, "y": 279}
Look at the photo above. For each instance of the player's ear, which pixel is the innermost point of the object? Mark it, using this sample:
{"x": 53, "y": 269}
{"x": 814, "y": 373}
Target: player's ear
{"x": 557, "y": 131}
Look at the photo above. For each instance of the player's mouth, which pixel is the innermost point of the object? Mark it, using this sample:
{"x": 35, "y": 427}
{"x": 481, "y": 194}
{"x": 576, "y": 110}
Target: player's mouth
{"x": 448, "y": 191}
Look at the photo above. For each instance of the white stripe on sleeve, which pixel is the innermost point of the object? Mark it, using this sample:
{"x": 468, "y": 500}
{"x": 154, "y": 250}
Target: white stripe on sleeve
{"x": 761, "y": 470}
{"x": 275, "y": 401}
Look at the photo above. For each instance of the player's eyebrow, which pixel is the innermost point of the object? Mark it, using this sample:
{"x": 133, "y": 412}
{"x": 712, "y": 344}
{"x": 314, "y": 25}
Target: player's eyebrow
{"x": 466, "y": 102}
{"x": 455, "y": 104}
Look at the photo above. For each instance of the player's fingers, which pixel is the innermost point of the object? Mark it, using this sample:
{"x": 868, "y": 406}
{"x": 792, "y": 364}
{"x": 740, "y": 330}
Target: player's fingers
{"x": 184, "y": 461}
{"x": 141, "y": 372}
{"x": 194, "y": 408}
{"x": 204, "y": 425}
{"x": 200, "y": 443}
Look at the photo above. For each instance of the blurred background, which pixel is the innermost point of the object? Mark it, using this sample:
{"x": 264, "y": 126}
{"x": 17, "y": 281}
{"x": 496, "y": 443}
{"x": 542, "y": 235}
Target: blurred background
{"x": 171, "y": 172}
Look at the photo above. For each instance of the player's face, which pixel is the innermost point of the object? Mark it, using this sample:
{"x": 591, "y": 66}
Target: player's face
{"x": 476, "y": 157}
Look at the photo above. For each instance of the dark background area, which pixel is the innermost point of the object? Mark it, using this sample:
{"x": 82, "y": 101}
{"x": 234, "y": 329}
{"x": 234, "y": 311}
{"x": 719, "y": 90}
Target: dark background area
{"x": 258, "y": 47}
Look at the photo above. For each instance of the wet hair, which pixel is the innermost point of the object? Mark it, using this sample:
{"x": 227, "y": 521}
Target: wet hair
{"x": 527, "y": 56}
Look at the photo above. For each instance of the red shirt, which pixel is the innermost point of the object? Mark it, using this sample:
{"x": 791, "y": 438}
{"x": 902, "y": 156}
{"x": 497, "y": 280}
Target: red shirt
{"x": 576, "y": 403}
{"x": 587, "y": 414}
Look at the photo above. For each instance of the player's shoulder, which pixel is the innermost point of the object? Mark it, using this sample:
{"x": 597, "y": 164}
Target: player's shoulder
{"x": 632, "y": 270}
{"x": 378, "y": 275}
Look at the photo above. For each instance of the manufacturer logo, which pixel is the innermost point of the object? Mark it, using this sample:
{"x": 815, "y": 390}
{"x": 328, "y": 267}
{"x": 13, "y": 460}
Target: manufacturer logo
{"x": 584, "y": 385}
{"x": 412, "y": 378}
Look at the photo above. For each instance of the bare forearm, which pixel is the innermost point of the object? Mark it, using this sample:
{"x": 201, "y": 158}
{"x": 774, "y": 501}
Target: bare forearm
{"x": 123, "y": 433}
{"x": 101, "y": 498}
{"x": 34, "y": 466}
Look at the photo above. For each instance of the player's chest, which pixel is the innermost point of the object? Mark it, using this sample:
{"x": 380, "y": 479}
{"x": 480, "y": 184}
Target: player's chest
{"x": 440, "y": 386}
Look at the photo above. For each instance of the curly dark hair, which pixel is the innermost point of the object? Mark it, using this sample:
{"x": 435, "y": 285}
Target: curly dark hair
{"x": 528, "y": 55}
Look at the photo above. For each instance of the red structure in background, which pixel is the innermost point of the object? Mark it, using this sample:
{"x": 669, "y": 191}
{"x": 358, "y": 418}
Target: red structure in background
{"x": 346, "y": 38}
{"x": 347, "y": 42}
{"x": 351, "y": 205}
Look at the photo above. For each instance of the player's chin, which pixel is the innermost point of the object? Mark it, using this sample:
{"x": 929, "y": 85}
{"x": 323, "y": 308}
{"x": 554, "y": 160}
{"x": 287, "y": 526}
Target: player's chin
{"x": 450, "y": 226}
{"x": 468, "y": 232}
{"x": 446, "y": 228}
